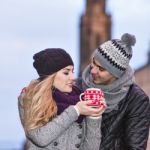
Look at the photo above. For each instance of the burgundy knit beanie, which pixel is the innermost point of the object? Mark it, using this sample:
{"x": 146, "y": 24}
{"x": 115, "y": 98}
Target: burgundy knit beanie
{"x": 51, "y": 60}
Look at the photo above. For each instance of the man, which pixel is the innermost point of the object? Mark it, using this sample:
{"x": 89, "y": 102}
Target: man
{"x": 126, "y": 121}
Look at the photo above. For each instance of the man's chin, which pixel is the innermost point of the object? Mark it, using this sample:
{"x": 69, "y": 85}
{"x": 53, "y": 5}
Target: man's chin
{"x": 95, "y": 81}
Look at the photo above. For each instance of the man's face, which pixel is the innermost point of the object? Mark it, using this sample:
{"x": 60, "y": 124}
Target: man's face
{"x": 99, "y": 74}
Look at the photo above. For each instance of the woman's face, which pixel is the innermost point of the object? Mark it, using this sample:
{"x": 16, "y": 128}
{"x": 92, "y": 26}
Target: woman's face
{"x": 64, "y": 79}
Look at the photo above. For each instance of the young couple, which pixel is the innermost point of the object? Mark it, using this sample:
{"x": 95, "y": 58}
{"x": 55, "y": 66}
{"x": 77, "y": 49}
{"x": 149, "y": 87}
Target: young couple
{"x": 54, "y": 118}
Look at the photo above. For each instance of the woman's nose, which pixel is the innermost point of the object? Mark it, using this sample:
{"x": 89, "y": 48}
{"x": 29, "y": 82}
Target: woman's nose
{"x": 72, "y": 76}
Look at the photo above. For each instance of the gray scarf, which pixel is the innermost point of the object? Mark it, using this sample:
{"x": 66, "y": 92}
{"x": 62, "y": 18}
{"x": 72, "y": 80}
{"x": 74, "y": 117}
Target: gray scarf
{"x": 113, "y": 92}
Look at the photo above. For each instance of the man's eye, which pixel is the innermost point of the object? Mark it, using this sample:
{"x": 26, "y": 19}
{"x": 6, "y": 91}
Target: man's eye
{"x": 91, "y": 66}
{"x": 101, "y": 69}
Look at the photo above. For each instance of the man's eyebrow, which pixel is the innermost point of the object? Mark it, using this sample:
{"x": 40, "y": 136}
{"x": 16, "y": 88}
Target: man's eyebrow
{"x": 95, "y": 63}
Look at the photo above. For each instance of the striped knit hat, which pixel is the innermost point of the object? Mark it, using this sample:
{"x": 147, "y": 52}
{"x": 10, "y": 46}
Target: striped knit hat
{"x": 114, "y": 55}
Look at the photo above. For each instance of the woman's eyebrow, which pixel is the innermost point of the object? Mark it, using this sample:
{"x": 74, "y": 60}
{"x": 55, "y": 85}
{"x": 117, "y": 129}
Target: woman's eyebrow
{"x": 67, "y": 69}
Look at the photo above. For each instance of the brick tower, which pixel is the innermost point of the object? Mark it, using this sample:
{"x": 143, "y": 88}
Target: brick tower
{"x": 95, "y": 28}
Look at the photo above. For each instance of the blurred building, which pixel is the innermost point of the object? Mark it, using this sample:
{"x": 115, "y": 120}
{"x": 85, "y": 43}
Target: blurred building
{"x": 142, "y": 76}
{"x": 95, "y": 28}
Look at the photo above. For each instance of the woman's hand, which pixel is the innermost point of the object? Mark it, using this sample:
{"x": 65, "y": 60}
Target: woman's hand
{"x": 85, "y": 109}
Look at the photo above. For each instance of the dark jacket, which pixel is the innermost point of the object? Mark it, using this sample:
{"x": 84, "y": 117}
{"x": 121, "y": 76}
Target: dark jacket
{"x": 127, "y": 128}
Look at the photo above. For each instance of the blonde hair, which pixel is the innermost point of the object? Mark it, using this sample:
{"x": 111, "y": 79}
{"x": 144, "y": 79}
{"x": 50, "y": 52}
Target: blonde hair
{"x": 39, "y": 104}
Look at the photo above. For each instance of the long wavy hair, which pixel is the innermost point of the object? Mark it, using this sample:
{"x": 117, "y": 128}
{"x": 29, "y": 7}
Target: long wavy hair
{"x": 39, "y": 105}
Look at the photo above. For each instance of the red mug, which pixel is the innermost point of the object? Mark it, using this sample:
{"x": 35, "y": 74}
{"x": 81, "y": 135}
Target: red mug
{"x": 93, "y": 94}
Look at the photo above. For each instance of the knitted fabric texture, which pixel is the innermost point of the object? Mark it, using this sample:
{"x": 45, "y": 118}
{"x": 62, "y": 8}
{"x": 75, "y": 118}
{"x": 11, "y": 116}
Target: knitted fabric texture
{"x": 114, "y": 92}
{"x": 64, "y": 100}
{"x": 114, "y": 55}
{"x": 51, "y": 60}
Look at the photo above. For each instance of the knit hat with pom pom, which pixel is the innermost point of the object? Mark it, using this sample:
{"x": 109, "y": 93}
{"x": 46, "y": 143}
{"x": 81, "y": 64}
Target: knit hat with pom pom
{"x": 114, "y": 55}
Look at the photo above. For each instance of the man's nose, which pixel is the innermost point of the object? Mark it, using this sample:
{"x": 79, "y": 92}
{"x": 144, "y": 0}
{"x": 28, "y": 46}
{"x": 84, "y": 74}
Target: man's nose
{"x": 94, "y": 70}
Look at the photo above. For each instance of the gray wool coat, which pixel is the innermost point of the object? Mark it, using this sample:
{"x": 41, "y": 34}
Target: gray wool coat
{"x": 63, "y": 133}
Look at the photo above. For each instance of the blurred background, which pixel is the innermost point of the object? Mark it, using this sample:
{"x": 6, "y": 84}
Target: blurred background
{"x": 29, "y": 26}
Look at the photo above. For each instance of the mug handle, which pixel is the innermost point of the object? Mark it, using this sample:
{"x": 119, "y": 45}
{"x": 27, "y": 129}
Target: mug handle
{"x": 82, "y": 94}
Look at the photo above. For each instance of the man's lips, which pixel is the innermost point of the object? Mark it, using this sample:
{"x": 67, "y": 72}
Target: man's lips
{"x": 94, "y": 77}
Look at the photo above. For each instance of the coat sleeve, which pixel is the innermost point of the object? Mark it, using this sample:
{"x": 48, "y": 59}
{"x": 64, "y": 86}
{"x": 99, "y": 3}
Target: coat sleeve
{"x": 92, "y": 134}
{"x": 137, "y": 123}
{"x": 46, "y": 134}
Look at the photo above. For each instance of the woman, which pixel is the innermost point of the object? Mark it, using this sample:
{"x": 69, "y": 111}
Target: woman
{"x": 50, "y": 110}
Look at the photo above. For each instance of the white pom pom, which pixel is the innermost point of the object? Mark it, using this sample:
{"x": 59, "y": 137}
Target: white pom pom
{"x": 128, "y": 39}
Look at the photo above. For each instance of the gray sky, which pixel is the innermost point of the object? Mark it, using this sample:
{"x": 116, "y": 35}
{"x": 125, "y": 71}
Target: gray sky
{"x": 29, "y": 26}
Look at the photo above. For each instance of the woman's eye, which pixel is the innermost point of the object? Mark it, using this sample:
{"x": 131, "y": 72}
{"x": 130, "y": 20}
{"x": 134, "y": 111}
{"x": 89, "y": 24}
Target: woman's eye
{"x": 66, "y": 73}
